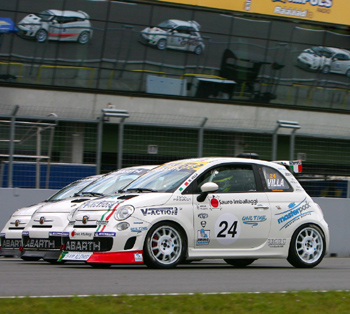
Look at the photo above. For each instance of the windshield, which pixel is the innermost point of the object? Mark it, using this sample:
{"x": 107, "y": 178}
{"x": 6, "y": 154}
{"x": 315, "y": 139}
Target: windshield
{"x": 71, "y": 189}
{"x": 45, "y": 16}
{"x": 166, "y": 25}
{"x": 113, "y": 182}
{"x": 166, "y": 178}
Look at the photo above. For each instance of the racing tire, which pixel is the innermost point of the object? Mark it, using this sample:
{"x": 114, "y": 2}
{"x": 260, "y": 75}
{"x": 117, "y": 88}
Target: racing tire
{"x": 307, "y": 247}
{"x": 326, "y": 69}
{"x": 165, "y": 246}
{"x": 84, "y": 38}
{"x": 30, "y": 258}
{"x": 240, "y": 263}
{"x": 100, "y": 265}
{"x": 161, "y": 44}
{"x": 348, "y": 74}
{"x": 198, "y": 50}
{"x": 41, "y": 35}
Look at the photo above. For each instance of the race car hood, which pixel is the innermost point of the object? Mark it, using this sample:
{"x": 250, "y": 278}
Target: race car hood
{"x": 153, "y": 31}
{"x": 27, "y": 211}
{"x": 30, "y": 19}
{"x": 135, "y": 199}
{"x": 64, "y": 206}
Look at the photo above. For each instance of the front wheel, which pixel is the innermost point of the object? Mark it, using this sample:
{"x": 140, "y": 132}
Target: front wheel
{"x": 240, "y": 262}
{"x": 198, "y": 50}
{"x": 307, "y": 247}
{"x": 41, "y": 35}
{"x": 161, "y": 45}
{"x": 326, "y": 69}
{"x": 165, "y": 246}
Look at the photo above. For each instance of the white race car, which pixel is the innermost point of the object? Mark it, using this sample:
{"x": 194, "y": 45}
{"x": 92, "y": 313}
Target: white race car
{"x": 174, "y": 34}
{"x": 56, "y": 25}
{"x": 41, "y": 238}
{"x": 235, "y": 209}
{"x": 325, "y": 59}
{"x": 11, "y": 234}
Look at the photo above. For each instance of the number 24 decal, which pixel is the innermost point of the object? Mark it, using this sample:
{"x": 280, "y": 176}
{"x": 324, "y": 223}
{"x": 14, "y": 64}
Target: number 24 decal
{"x": 226, "y": 231}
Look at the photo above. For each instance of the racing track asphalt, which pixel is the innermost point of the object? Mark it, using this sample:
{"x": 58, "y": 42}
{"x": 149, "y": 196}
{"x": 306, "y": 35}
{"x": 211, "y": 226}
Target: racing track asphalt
{"x": 20, "y": 278}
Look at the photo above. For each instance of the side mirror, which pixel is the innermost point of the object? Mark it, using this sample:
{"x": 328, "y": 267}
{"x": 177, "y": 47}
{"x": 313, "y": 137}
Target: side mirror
{"x": 206, "y": 188}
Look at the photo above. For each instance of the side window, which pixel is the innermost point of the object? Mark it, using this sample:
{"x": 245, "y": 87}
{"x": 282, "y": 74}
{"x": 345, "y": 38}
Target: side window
{"x": 274, "y": 181}
{"x": 230, "y": 179}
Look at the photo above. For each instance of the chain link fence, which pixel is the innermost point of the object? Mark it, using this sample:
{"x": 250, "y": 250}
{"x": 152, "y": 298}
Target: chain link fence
{"x": 50, "y": 151}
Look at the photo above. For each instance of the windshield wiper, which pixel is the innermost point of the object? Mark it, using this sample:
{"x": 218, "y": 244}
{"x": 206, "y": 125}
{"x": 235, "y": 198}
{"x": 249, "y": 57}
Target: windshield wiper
{"x": 92, "y": 194}
{"x": 140, "y": 190}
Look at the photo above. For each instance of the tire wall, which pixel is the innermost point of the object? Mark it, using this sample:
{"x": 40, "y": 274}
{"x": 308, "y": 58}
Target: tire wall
{"x": 335, "y": 210}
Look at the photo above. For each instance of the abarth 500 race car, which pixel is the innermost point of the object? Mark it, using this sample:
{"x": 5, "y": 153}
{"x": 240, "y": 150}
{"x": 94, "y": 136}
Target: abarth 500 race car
{"x": 56, "y": 25}
{"x": 174, "y": 34}
{"x": 326, "y": 59}
{"x": 41, "y": 238}
{"x": 11, "y": 234}
{"x": 236, "y": 209}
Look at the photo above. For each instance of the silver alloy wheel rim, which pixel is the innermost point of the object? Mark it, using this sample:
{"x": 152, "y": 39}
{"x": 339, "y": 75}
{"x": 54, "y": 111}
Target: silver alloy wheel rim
{"x": 84, "y": 37}
{"x": 165, "y": 245}
{"x": 309, "y": 245}
{"x": 41, "y": 35}
{"x": 161, "y": 44}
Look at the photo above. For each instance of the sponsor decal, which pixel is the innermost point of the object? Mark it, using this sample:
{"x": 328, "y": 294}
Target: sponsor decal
{"x": 101, "y": 222}
{"x": 170, "y": 211}
{"x": 40, "y": 244}
{"x": 83, "y": 246}
{"x": 82, "y": 234}
{"x": 240, "y": 202}
{"x": 202, "y": 207}
{"x": 55, "y": 233}
{"x": 71, "y": 223}
{"x": 181, "y": 198}
{"x": 11, "y": 243}
{"x": 75, "y": 256}
{"x": 294, "y": 213}
{"x": 202, "y": 216}
{"x": 25, "y": 233}
{"x": 227, "y": 229}
{"x": 276, "y": 243}
{"x": 253, "y": 220}
{"x": 214, "y": 202}
{"x": 138, "y": 223}
{"x": 100, "y": 204}
{"x": 203, "y": 237}
{"x": 65, "y": 234}
{"x": 138, "y": 229}
{"x": 2, "y": 234}
{"x": 138, "y": 257}
{"x": 104, "y": 234}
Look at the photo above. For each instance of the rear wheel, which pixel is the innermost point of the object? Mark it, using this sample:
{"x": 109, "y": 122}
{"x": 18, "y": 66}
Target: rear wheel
{"x": 240, "y": 262}
{"x": 165, "y": 246}
{"x": 198, "y": 50}
{"x": 307, "y": 247}
{"x": 84, "y": 37}
{"x": 326, "y": 69}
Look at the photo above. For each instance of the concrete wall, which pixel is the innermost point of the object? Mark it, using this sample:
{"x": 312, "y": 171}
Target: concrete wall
{"x": 336, "y": 211}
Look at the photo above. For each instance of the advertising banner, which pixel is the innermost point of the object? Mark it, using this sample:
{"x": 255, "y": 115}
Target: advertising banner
{"x": 328, "y": 11}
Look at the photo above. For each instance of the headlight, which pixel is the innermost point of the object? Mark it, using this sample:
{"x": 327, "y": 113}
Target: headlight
{"x": 124, "y": 212}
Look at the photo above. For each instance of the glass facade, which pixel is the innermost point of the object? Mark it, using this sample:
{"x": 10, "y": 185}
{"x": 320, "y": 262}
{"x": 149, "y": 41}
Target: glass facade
{"x": 173, "y": 51}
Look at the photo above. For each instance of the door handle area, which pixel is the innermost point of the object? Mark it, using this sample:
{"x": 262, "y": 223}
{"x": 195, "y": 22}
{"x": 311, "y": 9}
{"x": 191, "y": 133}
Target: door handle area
{"x": 261, "y": 207}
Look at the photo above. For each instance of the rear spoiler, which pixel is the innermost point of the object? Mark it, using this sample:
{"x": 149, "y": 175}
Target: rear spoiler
{"x": 294, "y": 166}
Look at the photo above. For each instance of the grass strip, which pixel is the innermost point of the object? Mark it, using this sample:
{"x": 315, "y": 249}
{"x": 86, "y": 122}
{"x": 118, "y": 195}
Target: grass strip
{"x": 290, "y": 302}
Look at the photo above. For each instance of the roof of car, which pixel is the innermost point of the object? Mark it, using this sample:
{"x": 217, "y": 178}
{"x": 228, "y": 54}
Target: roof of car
{"x": 185, "y": 23}
{"x": 67, "y": 13}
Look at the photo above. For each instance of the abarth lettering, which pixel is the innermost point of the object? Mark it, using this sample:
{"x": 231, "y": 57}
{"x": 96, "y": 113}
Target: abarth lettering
{"x": 40, "y": 244}
{"x": 83, "y": 246}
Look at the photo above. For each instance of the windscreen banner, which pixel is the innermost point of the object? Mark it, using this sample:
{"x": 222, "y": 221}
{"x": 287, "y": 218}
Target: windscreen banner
{"x": 327, "y": 11}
